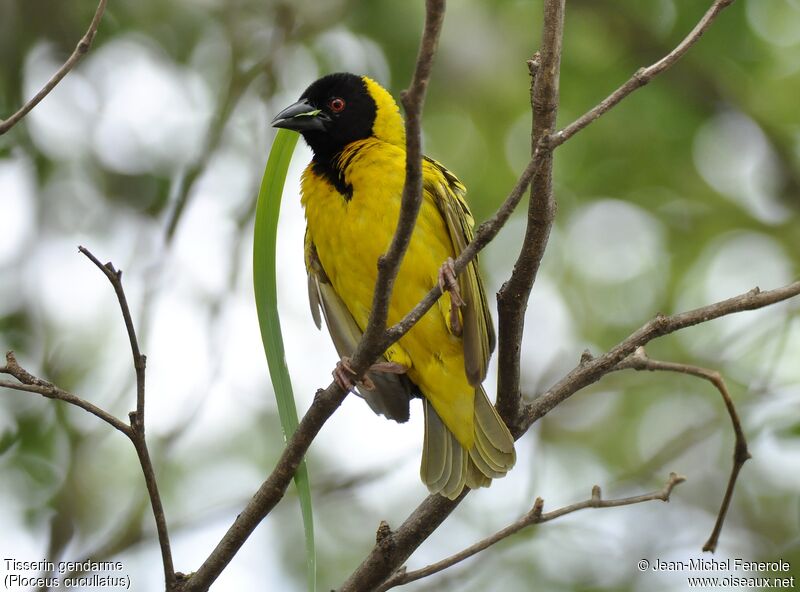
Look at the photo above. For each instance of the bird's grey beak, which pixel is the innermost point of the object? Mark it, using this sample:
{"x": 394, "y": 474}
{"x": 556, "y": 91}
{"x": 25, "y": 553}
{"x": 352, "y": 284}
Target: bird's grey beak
{"x": 302, "y": 116}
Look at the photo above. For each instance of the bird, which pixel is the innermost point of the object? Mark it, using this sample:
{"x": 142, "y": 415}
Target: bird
{"x": 351, "y": 194}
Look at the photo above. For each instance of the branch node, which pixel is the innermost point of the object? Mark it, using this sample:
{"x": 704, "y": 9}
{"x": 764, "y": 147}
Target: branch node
{"x": 674, "y": 480}
{"x": 586, "y": 357}
{"x": 641, "y": 76}
{"x": 597, "y": 496}
{"x": 536, "y": 512}
{"x": 383, "y": 533}
{"x": 534, "y": 64}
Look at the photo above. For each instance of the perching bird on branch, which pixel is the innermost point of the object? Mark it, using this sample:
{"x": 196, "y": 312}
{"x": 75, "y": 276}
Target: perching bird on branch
{"x": 351, "y": 192}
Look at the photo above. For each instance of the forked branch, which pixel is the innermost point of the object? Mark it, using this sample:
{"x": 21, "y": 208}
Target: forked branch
{"x": 534, "y": 516}
{"x": 31, "y": 384}
{"x": 640, "y": 361}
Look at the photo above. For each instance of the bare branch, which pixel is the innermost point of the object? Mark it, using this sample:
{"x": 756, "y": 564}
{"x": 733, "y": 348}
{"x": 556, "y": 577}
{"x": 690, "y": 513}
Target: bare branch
{"x": 139, "y": 360}
{"x": 370, "y": 346}
{"x": 484, "y": 234}
{"x": 643, "y": 75}
{"x": 80, "y": 50}
{"x": 591, "y": 370}
{"x": 512, "y": 299}
{"x": 29, "y": 383}
{"x": 640, "y": 361}
{"x": 534, "y": 516}
{"x": 137, "y": 432}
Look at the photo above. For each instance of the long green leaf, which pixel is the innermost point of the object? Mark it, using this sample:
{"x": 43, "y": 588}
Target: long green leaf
{"x": 265, "y": 284}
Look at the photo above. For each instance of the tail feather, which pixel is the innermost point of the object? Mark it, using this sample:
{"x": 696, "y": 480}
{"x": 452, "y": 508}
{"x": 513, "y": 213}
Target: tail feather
{"x": 447, "y": 467}
{"x": 436, "y": 454}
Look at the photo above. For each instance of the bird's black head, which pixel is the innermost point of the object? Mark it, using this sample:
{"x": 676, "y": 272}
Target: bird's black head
{"x": 333, "y": 112}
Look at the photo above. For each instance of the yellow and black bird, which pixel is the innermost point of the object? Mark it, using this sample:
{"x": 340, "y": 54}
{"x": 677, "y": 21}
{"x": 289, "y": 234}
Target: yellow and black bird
{"x": 351, "y": 193}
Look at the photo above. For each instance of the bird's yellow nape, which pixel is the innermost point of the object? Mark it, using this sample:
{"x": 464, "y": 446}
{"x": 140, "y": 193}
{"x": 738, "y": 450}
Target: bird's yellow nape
{"x": 388, "y": 125}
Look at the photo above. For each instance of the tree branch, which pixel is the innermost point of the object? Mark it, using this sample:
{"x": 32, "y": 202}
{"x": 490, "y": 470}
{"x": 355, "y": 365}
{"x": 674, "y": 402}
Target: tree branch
{"x": 534, "y": 516}
{"x": 640, "y": 361}
{"x": 31, "y": 384}
{"x": 80, "y": 50}
{"x": 137, "y": 431}
{"x": 512, "y": 300}
{"x": 371, "y": 345}
{"x": 643, "y": 75}
{"x": 590, "y": 370}
{"x": 139, "y": 360}
{"x": 386, "y": 556}
{"x": 393, "y": 550}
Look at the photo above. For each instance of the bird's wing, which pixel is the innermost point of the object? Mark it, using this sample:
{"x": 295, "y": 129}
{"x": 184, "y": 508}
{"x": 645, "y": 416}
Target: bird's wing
{"x": 478, "y": 333}
{"x": 392, "y": 392}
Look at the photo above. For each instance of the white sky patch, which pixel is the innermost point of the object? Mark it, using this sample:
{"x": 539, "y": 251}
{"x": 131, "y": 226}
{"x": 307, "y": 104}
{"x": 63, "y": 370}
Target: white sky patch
{"x": 60, "y": 124}
{"x": 153, "y": 112}
{"x": 734, "y": 156}
{"x": 17, "y": 194}
{"x": 611, "y": 241}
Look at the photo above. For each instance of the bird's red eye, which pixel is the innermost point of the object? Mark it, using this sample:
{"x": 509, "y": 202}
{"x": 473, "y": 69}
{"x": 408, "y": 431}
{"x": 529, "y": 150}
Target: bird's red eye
{"x": 336, "y": 104}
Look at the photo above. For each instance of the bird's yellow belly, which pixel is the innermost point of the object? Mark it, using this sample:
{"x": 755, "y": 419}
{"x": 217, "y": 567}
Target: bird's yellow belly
{"x": 350, "y": 236}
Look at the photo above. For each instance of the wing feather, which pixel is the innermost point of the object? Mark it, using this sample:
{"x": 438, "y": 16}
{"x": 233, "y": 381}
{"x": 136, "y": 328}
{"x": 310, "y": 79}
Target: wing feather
{"x": 392, "y": 392}
{"x": 478, "y": 332}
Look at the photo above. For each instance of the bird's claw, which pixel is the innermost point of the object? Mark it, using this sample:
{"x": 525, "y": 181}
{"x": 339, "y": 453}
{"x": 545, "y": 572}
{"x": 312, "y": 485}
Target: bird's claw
{"x": 343, "y": 374}
{"x": 448, "y": 282}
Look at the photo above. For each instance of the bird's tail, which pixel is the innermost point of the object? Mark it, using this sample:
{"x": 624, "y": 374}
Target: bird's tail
{"x": 447, "y": 467}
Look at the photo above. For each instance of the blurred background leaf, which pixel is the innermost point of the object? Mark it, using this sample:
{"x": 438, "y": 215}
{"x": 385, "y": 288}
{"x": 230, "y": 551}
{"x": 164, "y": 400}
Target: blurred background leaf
{"x": 687, "y": 193}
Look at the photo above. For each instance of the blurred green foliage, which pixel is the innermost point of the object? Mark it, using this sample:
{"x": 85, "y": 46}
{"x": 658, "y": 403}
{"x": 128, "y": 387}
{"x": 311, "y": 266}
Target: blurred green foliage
{"x": 686, "y": 193}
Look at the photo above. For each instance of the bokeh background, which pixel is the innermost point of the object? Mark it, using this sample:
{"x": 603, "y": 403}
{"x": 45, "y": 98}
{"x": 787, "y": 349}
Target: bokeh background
{"x": 150, "y": 153}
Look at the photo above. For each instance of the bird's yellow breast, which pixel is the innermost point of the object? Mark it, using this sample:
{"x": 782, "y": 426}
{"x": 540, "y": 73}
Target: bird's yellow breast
{"x": 351, "y": 234}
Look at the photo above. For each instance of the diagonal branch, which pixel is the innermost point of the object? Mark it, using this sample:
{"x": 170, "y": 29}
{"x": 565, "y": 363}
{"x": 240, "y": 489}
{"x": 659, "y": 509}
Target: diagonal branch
{"x": 590, "y": 370}
{"x": 80, "y": 50}
{"x": 31, "y": 384}
{"x": 534, "y": 516}
{"x": 643, "y": 75}
{"x": 136, "y": 433}
{"x": 640, "y": 361}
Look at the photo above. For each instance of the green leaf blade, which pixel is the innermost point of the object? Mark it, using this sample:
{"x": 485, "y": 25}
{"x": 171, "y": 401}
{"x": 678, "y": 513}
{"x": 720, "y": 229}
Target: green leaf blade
{"x": 266, "y": 293}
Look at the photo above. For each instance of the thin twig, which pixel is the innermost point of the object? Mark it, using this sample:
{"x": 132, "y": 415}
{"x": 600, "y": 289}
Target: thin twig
{"x": 137, "y": 433}
{"x": 484, "y": 234}
{"x": 30, "y": 383}
{"x": 591, "y": 370}
{"x": 534, "y": 516}
{"x": 80, "y": 50}
{"x": 643, "y": 75}
{"x": 139, "y": 360}
{"x": 640, "y": 361}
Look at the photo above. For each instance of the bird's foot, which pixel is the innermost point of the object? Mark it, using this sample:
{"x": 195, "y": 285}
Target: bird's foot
{"x": 389, "y": 368}
{"x": 343, "y": 374}
{"x": 448, "y": 282}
